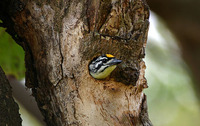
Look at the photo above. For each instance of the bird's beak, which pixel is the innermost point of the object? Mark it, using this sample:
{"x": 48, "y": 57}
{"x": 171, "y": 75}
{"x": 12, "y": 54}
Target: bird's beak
{"x": 115, "y": 62}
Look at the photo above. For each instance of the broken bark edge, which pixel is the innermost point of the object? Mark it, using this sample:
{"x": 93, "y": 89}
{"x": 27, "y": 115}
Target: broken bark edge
{"x": 144, "y": 113}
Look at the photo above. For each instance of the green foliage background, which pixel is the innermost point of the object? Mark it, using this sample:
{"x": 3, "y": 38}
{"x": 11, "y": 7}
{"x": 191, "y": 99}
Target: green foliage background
{"x": 11, "y": 56}
{"x": 170, "y": 96}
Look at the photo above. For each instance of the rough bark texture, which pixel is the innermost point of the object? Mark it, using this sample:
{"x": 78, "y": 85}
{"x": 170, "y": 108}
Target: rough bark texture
{"x": 183, "y": 18}
{"x": 9, "y": 110}
{"x": 61, "y": 37}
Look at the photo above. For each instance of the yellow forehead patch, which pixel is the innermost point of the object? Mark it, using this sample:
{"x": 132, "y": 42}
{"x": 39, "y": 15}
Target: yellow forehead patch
{"x": 109, "y": 55}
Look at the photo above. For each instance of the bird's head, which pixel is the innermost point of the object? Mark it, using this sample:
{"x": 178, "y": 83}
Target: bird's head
{"x": 101, "y": 67}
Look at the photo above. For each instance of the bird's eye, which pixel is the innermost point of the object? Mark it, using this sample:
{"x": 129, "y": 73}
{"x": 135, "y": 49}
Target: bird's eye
{"x": 104, "y": 60}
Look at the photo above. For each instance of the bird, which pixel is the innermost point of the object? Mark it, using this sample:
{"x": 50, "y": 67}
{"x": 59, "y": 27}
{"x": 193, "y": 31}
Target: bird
{"x": 101, "y": 67}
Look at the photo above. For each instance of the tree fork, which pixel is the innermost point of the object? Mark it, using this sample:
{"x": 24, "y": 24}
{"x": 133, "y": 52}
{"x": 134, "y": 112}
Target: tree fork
{"x": 61, "y": 37}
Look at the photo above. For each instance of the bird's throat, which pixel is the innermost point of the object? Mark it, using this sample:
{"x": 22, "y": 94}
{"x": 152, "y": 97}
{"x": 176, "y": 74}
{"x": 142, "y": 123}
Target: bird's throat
{"x": 105, "y": 73}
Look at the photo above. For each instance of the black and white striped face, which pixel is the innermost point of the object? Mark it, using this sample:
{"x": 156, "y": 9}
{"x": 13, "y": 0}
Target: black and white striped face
{"x": 100, "y": 63}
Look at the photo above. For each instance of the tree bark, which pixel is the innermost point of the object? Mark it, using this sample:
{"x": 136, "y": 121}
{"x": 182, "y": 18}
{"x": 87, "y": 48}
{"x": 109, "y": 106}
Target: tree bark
{"x": 9, "y": 110}
{"x": 61, "y": 37}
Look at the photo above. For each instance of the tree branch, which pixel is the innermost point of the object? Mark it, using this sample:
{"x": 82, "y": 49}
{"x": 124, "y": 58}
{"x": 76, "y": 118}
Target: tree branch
{"x": 9, "y": 110}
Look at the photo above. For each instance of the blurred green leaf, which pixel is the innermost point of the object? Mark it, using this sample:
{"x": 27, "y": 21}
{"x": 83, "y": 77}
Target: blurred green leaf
{"x": 11, "y": 55}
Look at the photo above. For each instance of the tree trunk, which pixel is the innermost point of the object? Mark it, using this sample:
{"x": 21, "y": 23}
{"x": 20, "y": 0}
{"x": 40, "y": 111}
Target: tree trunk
{"x": 9, "y": 110}
{"x": 61, "y": 37}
